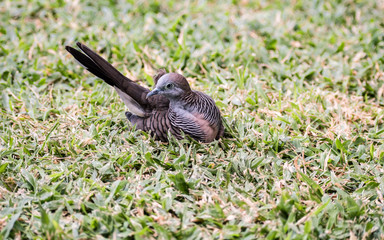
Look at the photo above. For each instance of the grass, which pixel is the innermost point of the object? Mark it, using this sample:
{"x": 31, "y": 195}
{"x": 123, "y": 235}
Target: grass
{"x": 300, "y": 85}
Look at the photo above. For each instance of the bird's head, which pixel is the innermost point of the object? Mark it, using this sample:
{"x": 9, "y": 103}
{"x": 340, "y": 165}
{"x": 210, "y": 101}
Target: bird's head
{"x": 171, "y": 85}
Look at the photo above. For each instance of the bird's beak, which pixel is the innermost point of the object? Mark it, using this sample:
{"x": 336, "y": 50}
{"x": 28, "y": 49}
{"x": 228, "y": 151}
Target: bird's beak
{"x": 153, "y": 92}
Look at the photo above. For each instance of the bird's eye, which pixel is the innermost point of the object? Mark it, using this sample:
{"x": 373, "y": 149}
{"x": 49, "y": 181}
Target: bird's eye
{"x": 169, "y": 86}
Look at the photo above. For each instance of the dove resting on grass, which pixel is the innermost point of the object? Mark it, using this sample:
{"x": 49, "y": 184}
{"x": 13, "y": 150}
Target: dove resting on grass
{"x": 171, "y": 107}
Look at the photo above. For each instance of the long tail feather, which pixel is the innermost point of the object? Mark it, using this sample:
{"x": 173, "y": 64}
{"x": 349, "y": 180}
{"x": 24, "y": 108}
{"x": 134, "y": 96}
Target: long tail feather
{"x": 104, "y": 70}
{"x": 114, "y": 76}
{"x": 88, "y": 64}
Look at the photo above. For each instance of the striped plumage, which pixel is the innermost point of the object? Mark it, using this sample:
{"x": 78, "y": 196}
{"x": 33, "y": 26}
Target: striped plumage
{"x": 171, "y": 107}
{"x": 202, "y": 108}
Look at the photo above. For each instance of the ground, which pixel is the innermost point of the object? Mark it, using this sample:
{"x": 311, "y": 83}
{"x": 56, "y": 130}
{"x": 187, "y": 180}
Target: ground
{"x": 300, "y": 85}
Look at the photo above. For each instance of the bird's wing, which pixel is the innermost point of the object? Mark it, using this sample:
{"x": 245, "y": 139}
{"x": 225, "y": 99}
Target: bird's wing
{"x": 158, "y": 75}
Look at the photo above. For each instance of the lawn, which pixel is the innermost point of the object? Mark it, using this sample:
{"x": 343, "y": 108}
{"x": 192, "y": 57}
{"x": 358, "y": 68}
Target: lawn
{"x": 300, "y": 85}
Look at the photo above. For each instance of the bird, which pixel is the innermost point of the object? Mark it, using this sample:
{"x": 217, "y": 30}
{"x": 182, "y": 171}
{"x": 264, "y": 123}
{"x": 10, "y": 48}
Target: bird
{"x": 171, "y": 107}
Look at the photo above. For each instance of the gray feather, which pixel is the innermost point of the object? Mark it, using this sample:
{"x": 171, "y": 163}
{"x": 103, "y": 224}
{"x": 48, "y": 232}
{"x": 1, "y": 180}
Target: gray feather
{"x": 131, "y": 104}
{"x": 171, "y": 108}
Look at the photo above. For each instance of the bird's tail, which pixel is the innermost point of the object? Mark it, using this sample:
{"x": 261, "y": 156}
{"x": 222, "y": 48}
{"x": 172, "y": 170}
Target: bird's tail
{"x": 132, "y": 94}
{"x": 97, "y": 65}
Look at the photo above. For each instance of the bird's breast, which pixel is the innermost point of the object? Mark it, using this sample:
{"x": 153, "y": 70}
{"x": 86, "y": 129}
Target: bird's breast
{"x": 209, "y": 130}
{"x": 194, "y": 124}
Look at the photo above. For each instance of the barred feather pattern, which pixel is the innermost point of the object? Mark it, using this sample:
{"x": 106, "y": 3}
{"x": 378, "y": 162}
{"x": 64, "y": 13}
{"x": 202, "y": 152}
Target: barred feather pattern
{"x": 158, "y": 124}
{"x": 191, "y": 112}
{"x": 176, "y": 121}
{"x": 202, "y": 110}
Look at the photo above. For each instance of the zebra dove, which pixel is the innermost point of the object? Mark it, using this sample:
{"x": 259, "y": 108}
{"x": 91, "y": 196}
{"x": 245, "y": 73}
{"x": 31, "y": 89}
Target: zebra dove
{"x": 171, "y": 107}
